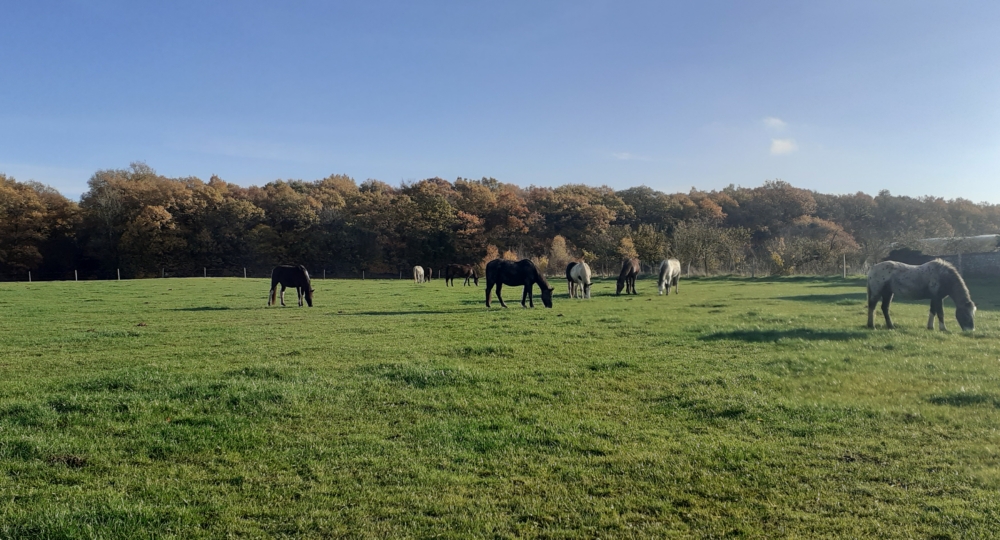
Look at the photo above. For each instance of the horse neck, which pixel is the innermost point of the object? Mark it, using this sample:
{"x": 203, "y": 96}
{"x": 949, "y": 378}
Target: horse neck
{"x": 540, "y": 279}
{"x": 958, "y": 292}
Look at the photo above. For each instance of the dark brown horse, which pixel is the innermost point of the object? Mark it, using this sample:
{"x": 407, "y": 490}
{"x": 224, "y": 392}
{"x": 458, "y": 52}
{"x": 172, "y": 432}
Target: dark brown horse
{"x": 291, "y": 276}
{"x": 626, "y": 279}
{"x": 466, "y": 271}
{"x": 524, "y": 272}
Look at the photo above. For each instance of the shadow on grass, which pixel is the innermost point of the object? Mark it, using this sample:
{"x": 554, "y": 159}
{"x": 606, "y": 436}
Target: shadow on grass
{"x": 397, "y": 313}
{"x": 820, "y": 281}
{"x": 964, "y": 399}
{"x": 203, "y": 308}
{"x": 771, "y": 336}
{"x": 852, "y": 298}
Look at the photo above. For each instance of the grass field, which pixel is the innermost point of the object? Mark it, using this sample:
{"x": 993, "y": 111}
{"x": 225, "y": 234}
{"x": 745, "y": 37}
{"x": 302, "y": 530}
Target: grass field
{"x": 758, "y": 408}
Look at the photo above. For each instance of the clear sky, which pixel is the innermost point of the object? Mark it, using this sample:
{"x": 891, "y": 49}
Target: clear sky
{"x": 836, "y": 96}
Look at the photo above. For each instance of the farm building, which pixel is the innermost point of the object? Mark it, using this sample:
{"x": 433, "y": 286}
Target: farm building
{"x": 972, "y": 255}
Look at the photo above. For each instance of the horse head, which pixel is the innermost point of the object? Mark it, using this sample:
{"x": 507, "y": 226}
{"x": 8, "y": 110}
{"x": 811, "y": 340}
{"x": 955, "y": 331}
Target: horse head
{"x": 966, "y": 313}
{"x": 620, "y": 286}
{"x": 546, "y": 295}
{"x": 309, "y": 296}
{"x": 475, "y": 277}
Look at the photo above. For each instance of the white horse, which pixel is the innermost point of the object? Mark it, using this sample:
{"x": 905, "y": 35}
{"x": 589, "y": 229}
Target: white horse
{"x": 578, "y": 277}
{"x": 670, "y": 274}
{"x": 418, "y": 274}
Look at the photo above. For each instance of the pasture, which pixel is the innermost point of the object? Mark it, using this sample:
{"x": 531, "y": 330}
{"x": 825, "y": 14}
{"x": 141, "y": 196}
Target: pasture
{"x": 759, "y": 408}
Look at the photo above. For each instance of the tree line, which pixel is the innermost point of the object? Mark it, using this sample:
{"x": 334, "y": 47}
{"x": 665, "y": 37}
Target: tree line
{"x": 141, "y": 224}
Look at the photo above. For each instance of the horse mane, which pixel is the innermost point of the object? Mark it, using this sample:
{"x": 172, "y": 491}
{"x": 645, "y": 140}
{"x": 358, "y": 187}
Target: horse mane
{"x": 541, "y": 277}
{"x": 952, "y": 281}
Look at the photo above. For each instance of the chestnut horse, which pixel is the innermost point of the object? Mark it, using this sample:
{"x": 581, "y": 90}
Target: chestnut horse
{"x": 466, "y": 271}
{"x": 626, "y": 279}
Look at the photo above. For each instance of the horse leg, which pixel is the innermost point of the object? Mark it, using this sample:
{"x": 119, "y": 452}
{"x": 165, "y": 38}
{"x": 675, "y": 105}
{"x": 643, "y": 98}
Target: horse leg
{"x": 282, "y": 295}
{"x": 677, "y": 281}
{"x": 489, "y": 292}
{"x": 531, "y": 299}
{"x": 302, "y": 293}
{"x": 872, "y": 304}
{"x": 886, "y": 300}
{"x": 930, "y": 320}
{"x": 500, "y": 298}
{"x": 940, "y": 313}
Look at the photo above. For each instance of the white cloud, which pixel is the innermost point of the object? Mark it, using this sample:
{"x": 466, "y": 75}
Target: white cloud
{"x": 783, "y": 146}
{"x": 775, "y": 123}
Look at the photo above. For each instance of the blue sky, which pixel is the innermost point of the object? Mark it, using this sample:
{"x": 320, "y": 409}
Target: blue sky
{"x": 835, "y": 96}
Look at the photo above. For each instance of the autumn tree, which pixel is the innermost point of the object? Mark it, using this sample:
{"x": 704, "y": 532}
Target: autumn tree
{"x": 650, "y": 244}
{"x": 626, "y": 248}
{"x": 23, "y": 227}
{"x": 559, "y": 255}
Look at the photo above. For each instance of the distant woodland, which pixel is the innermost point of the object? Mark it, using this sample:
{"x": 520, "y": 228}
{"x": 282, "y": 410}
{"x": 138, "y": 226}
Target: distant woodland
{"x": 146, "y": 225}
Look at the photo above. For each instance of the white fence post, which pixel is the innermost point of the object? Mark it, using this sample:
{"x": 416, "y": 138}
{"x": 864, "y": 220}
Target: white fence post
{"x": 76, "y": 277}
{"x": 119, "y": 274}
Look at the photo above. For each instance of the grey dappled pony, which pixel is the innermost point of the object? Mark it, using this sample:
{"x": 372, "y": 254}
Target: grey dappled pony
{"x": 934, "y": 280}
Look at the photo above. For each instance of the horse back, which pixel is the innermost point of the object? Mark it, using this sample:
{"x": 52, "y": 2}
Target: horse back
{"x": 630, "y": 268}
{"x": 905, "y": 280}
{"x": 290, "y": 276}
{"x": 523, "y": 272}
{"x": 569, "y": 270}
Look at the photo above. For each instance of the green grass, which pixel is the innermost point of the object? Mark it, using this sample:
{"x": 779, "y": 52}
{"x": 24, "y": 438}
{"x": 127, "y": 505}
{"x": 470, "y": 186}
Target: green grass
{"x": 757, "y": 408}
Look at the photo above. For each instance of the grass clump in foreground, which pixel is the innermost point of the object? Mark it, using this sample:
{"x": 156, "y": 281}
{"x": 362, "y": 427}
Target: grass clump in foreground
{"x": 740, "y": 407}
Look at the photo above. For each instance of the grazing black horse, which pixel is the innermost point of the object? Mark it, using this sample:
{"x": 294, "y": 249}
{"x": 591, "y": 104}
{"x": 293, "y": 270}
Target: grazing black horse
{"x": 626, "y": 279}
{"x": 524, "y": 272}
{"x": 291, "y": 276}
{"x": 466, "y": 271}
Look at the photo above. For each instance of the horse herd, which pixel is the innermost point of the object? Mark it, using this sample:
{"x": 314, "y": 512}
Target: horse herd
{"x": 933, "y": 280}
